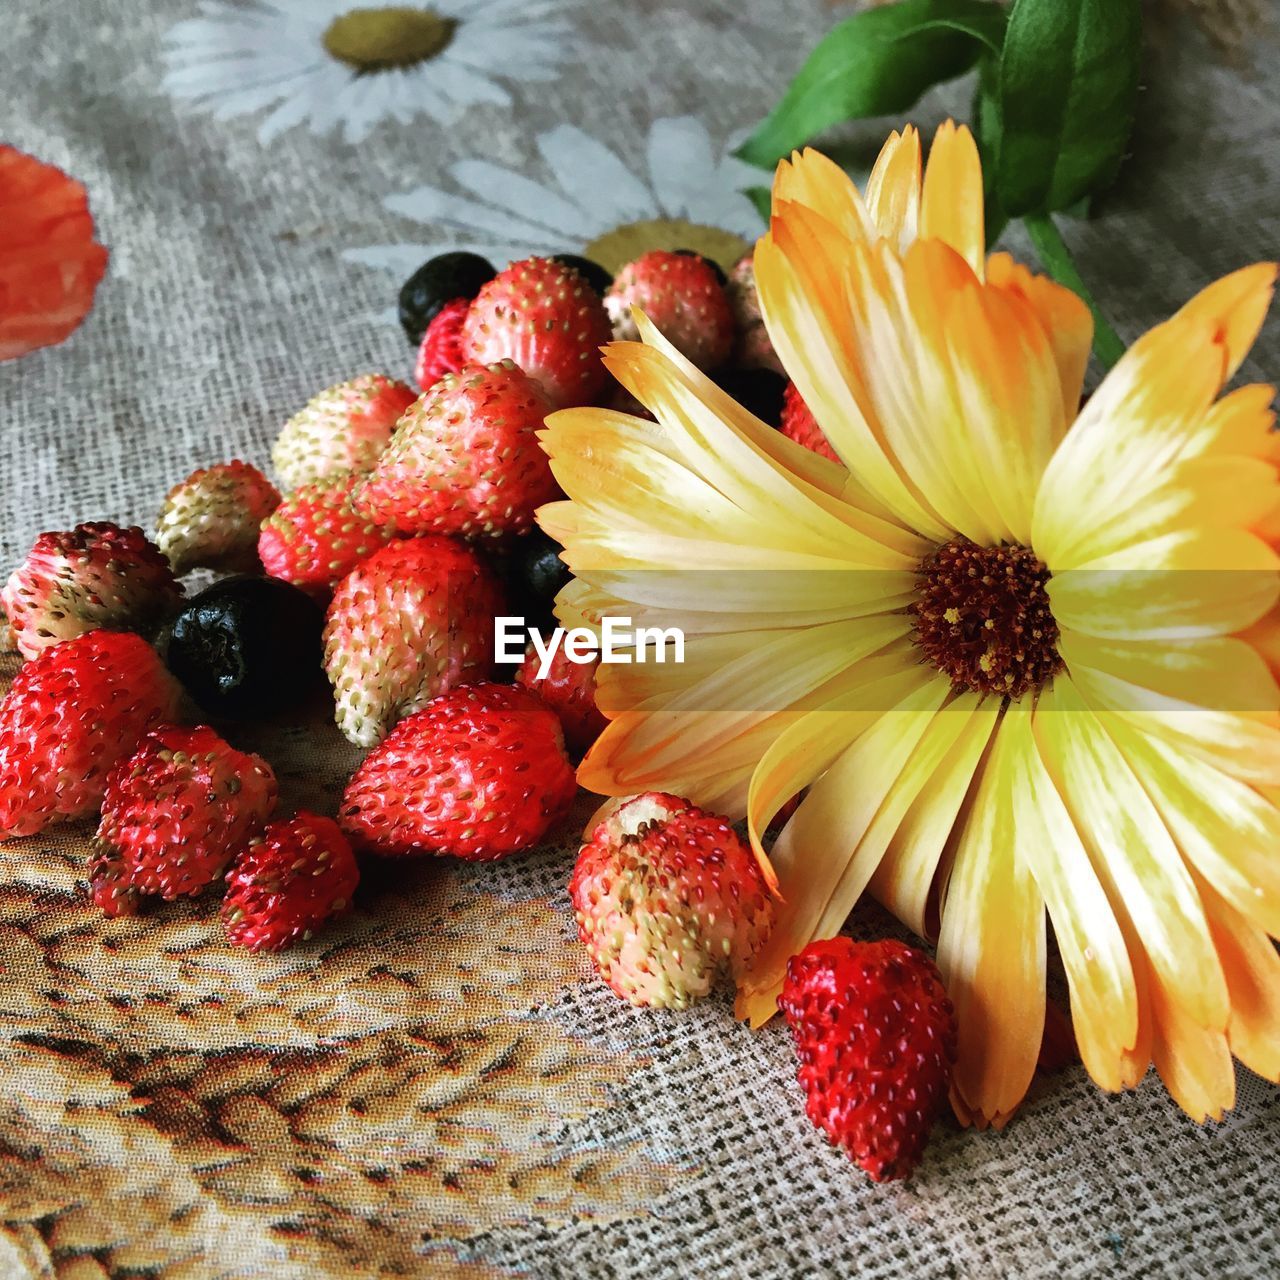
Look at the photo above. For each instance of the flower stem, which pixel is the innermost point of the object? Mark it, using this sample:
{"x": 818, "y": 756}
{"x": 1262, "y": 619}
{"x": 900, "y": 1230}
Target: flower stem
{"x": 1057, "y": 260}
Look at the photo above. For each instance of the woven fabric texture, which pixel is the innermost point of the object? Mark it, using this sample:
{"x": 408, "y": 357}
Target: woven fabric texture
{"x": 438, "y": 1085}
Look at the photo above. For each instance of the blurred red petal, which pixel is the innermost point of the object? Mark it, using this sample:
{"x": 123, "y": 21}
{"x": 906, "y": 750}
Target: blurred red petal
{"x": 50, "y": 263}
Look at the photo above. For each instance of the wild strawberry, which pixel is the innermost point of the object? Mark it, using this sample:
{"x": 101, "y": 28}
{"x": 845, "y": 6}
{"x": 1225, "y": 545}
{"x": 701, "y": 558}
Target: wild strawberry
{"x": 876, "y": 1037}
{"x": 798, "y": 424}
{"x": 479, "y": 773}
{"x": 343, "y": 428}
{"x": 71, "y": 713}
{"x": 440, "y": 351}
{"x": 211, "y": 519}
{"x": 666, "y": 897}
{"x": 287, "y": 882}
{"x": 752, "y": 348}
{"x": 97, "y": 575}
{"x": 176, "y": 811}
{"x": 50, "y": 264}
{"x": 315, "y": 537}
{"x": 548, "y": 319}
{"x": 682, "y": 294}
{"x": 569, "y": 689}
{"x": 415, "y": 619}
{"x": 466, "y": 457}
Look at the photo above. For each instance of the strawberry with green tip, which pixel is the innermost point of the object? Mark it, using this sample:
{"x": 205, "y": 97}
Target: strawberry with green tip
{"x": 95, "y": 575}
{"x": 546, "y": 318}
{"x": 466, "y": 458}
{"x": 71, "y": 713}
{"x": 175, "y": 813}
{"x": 479, "y": 773}
{"x": 682, "y": 294}
{"x": 315, "y": 537}
{"x": 411, "y": 621}
{"x": 668, "y": 896}
{"x": 343, "y": 428}
{"x": 211, "y": 520}
{"x": 287, "y": 882}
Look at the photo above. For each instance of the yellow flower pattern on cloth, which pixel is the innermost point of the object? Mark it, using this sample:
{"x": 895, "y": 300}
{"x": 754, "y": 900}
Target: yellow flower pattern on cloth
{"x": 1101, "y": 754}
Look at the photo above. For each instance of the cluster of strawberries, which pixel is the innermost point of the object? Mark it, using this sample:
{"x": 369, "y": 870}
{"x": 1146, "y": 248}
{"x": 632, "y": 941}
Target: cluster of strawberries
{"x": 384, "y": 567}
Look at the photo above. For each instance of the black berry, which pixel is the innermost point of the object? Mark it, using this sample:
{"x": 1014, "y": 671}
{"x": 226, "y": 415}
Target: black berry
{"x": 247, "y": 646}
{"x": 592, "y": 272}
{"x": 532, "y": 573}
{"x": 715, "y": 266}
{"x": 437, "y": 281}
{"x": 759, "y": 390}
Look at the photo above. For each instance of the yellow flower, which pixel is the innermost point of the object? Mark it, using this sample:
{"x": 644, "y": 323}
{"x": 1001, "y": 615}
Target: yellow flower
{"x": 1014, "y": 655}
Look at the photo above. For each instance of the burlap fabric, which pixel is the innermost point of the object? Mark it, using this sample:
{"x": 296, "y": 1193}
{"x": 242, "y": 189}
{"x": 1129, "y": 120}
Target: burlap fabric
{"x": 438, "y": 1086}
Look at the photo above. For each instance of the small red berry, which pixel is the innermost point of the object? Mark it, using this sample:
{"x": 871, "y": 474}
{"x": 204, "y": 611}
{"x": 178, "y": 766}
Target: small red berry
{"x": 440, "y": 351}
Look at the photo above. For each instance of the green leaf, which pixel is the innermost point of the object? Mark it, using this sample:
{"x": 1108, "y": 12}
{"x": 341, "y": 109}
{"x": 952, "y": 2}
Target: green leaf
{"x": 876, "y": 63}
{"x": 762, "y": 198}
{"x": 987, "y": 129}
{"x": 1068, "y": 84}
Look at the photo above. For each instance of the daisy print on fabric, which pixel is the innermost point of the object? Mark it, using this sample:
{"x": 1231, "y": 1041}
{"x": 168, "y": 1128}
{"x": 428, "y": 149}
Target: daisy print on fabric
{"x": 687, "y": 195}
{"x": 333, "y": 65}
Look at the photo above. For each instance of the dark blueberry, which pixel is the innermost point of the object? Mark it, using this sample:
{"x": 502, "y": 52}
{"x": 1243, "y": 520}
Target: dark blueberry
{"x": 711, "y": 262}
{"x": 759, "y": 390}
{"x": 437, "y": 281}
{"x": 247, "y": 646}
{"x": 592, "y": 272}
{"x": 532, "y": 572}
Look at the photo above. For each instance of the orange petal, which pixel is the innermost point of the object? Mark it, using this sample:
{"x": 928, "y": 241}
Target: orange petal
{"x": 951, "y": 207}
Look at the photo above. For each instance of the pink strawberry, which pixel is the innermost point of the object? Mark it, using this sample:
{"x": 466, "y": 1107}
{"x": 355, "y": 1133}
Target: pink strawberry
{"x": 752, "y": 348}
{"x": 798, "y": 424}
{"x": 315, "y": 537}
{"x": 175, "y": 813}
{"x": 287, "y": 882}
{"x": 440, "y": 351}
{"x": 466, "y": 457}
{"x": 569, "y": 689}
{"x": 876, "y": 1037}
{"x": 546, "y": 318}
{"x": 211, "y": 519}
{"x": 71, "y": 713}
{"x": 343, "y": 428}
{"x": 415, "y": 619}
{"x": 667, "y": 896}
{"x": 682, "y": 294}
{"x": 479, "y": 773}
{"x": 96, "y": 575}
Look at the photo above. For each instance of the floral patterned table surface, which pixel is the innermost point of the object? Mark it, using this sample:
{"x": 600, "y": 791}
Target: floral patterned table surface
{"x": 440, "y": 1088}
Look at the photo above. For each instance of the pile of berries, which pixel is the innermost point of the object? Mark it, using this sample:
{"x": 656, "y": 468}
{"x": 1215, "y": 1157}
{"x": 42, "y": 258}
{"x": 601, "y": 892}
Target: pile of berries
{"x": 406, "y": 525}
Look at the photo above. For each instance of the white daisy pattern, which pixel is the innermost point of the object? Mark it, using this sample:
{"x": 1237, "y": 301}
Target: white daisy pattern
{"x": 689, "y": 195}
{"x": 333, "y": 65}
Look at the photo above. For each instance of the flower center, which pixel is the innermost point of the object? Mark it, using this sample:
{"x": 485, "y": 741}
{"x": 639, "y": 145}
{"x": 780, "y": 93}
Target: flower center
{"x": 383, "y": 39}
{"x": 614, "y": 249}
{"x": 982, "y": 618}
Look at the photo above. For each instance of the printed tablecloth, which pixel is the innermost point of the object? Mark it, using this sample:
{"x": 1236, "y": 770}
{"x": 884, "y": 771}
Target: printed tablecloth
{"x": 438, "y": 1085}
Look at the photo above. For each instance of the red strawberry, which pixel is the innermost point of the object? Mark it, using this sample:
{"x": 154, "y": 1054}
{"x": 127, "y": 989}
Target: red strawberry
{"x": 343, "y": 428}
{"x": 798, "y": 424}
{"x": 413, "y": 620}
{"x": 466, "y": 457}
{"x": 97, "y": 575}
{"x": 667, "y": 896}
{"x": 211, "y": 519}
{"x": 682, "y": 294}
{"x": 175, "y": 813}
{"x": 315, "y": 537}
{"x": 752, "y": 348}
{"x": 546, "y": 318}
{"x": 287, "y": 882}
{"x": 876, "y": 1037}
{"x": 569, "y": 689}
{"x": 479, "y": 773}
{"x": 440, "y": 351}
{"x": 71, "y": 713}
{"x": 50, "y": 264}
